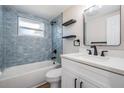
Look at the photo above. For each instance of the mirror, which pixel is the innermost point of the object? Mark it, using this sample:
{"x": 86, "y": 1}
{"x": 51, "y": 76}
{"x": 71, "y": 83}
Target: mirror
{"x": 102, "y": 25}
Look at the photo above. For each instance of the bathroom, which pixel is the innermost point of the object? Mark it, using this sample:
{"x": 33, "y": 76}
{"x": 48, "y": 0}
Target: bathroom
{"x": 62, "y": 46}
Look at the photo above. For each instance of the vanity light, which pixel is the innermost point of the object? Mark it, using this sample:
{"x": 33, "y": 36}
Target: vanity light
{"x": 94, "y": 8}
{"x": 86, "y": 7}
{"x": 91, "y": 9}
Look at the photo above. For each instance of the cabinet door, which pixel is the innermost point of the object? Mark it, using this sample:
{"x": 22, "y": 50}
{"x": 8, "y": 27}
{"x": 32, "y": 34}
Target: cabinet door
{"x": 69, "y": 80}
{"x": 86, "y": 84}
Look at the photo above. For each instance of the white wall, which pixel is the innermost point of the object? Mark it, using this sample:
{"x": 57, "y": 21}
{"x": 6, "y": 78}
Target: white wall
{"x": 75, "y": 12}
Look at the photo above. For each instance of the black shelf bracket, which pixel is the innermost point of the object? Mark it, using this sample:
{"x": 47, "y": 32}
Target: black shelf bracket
{"x": 69, "y": 22}
{"x": 69, "y": 36}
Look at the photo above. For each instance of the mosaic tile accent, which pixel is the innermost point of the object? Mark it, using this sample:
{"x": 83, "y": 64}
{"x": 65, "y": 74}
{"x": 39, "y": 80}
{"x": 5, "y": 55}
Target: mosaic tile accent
{"x": 57, "y": 36}
{"x": 1, "y": 37}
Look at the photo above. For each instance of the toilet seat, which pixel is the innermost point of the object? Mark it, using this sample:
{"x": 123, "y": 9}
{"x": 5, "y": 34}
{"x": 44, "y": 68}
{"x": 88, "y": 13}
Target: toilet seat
{"x": 54, "y": 73}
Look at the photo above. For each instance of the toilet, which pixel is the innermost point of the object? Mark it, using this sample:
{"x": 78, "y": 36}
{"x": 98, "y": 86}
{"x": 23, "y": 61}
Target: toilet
{"x": 54, "y": 77}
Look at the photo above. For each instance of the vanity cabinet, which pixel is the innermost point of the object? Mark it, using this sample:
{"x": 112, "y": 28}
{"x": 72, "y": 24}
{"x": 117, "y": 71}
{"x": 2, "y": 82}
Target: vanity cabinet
{"x": 79, "y": 75}
{"x": 73, "y": 80}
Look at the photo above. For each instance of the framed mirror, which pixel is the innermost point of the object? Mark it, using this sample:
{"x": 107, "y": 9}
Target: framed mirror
{"x": 102, "y": 25}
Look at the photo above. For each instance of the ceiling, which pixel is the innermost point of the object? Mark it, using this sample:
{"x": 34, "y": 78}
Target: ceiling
{"x": 45, "y": 11}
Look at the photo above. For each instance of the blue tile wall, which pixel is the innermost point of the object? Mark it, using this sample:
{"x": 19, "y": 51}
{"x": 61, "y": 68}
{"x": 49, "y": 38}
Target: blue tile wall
{"x": 1, "y": 37}
{"x": 57, "y": 36}
{"x": 20, "y": 50}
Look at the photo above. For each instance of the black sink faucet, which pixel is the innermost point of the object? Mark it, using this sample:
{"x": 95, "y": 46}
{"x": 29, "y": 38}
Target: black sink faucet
{"x": 89, "y": 51}
{"x": 95, "y": 50}
{"x": 102, "y": 53}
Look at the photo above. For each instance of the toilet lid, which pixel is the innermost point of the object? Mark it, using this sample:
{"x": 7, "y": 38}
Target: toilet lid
{"x": 54, "y": 73}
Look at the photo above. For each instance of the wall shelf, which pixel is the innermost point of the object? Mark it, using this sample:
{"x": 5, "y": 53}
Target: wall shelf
{"x": 69, "y": 36}
{"x": 71, "y": 21}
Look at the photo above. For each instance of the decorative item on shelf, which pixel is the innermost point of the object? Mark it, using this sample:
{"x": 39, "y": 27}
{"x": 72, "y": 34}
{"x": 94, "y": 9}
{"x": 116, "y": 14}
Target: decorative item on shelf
{"x": 71, "y": 21}
{"x": 76, "y": 42}
{"x": 69, "y": 36}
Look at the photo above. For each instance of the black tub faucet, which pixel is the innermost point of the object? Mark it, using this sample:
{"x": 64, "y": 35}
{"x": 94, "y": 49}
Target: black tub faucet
{"x": 95, "y": 50}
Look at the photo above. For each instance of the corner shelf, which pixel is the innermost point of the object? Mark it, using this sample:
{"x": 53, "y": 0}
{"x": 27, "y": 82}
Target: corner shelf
{"x": 71, "y": 21}
{"x": 69, "y": 36}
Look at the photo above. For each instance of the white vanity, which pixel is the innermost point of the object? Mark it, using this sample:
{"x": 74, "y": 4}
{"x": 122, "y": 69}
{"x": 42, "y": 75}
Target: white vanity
{"x": 89, "y": 71}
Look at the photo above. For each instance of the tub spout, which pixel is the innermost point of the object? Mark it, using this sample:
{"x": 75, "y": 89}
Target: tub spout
{"x": 54, "y": 62}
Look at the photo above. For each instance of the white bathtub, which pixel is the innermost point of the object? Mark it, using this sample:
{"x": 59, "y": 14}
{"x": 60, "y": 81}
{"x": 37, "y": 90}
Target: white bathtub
{"x": 28, "y": 75}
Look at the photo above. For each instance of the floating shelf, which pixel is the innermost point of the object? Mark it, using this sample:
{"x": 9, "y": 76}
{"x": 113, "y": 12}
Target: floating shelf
{"x": 69, "y": 22}
{"x": 69, "y": 36}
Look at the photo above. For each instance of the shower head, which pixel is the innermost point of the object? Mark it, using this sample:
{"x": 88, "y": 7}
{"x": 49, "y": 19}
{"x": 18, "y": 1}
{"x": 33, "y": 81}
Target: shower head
{"x": 52, "y": 22}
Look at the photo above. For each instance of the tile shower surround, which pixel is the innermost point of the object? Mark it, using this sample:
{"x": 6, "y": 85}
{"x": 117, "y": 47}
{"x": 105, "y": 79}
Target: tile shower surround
{"x": 20, "y": 50}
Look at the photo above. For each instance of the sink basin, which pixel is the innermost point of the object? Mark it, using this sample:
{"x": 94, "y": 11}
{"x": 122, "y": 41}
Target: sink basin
{"x": 91, "y": 57}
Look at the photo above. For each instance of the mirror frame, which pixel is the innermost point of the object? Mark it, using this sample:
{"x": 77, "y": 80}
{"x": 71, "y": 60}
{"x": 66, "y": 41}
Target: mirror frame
{"x": 84, "y": 29}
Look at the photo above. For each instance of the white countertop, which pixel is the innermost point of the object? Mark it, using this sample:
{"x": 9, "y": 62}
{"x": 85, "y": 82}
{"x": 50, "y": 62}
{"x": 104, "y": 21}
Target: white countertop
{"x": 113, "y": 64}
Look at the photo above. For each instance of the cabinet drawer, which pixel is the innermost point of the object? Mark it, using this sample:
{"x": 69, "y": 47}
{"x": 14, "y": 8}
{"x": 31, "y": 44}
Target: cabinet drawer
{"x": 102, "y": 77}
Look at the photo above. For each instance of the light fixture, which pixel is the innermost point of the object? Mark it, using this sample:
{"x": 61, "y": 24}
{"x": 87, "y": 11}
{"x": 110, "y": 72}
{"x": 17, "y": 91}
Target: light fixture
{"x": 91, "y": 9}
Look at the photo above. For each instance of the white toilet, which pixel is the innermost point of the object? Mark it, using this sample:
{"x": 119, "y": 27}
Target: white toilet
{"x": 54, "y": 78}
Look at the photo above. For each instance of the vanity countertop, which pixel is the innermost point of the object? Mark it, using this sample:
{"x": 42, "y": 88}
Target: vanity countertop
{"x": 113, "y": 64}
